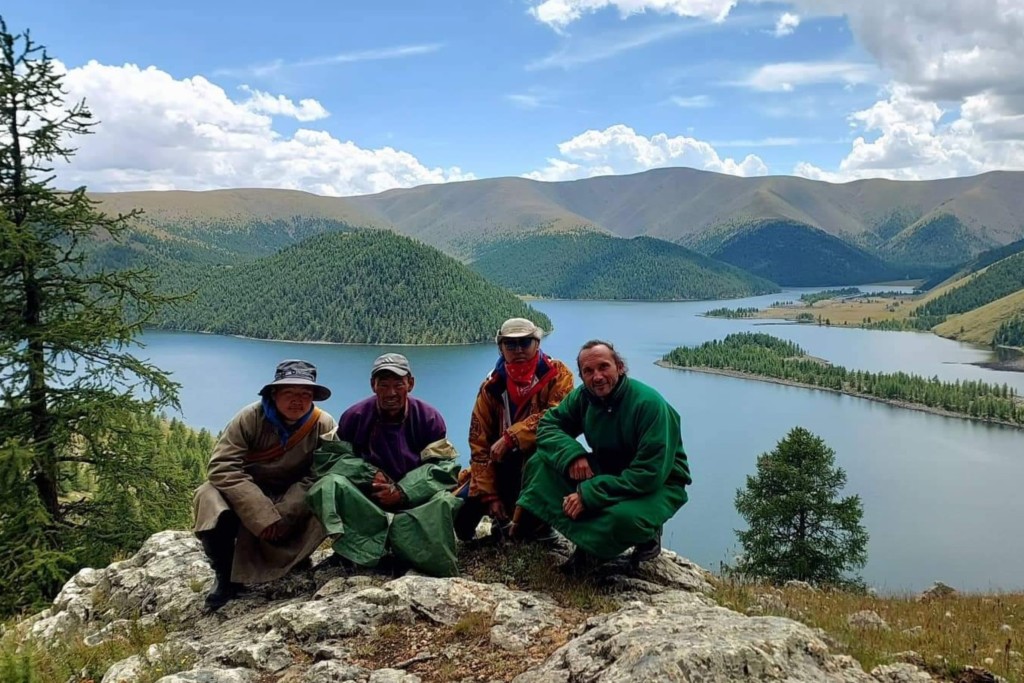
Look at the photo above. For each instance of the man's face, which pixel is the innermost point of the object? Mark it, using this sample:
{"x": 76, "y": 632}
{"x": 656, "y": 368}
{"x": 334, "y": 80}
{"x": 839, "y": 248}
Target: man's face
{"x": 518, "y": 349}
{"x": 293, "y": 402}
{"x": 598, "y": 370}
{"x": 392, "y": 391}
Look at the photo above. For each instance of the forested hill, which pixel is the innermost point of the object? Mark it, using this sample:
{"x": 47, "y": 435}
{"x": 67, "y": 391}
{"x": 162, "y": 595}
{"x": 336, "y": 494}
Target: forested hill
{"x": 588, "y": 265}
{"x": 366, "y": 286}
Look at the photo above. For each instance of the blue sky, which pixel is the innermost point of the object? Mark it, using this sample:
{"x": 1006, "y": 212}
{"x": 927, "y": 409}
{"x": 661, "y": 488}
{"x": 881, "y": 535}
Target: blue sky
{"x": 352, "y": 97}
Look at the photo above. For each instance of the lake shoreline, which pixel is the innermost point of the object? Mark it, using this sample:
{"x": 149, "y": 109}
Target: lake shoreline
{"x": 802, "y": 385}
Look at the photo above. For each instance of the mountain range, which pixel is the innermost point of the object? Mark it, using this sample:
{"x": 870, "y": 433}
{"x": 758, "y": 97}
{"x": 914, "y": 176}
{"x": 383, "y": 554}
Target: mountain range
{"x": 910, "y": 225}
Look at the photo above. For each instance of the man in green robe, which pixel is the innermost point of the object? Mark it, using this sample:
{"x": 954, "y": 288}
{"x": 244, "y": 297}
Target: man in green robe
{"x": 384, "y": 483}
{"x": 634, "y": 478}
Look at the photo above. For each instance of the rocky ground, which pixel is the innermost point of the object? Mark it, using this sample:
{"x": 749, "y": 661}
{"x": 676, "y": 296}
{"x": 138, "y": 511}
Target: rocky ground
{"x": 328, "y": 624}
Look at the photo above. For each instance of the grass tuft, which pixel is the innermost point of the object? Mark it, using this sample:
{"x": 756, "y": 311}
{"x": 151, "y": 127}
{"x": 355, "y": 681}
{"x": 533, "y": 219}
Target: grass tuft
{"x": 948, "y": 634}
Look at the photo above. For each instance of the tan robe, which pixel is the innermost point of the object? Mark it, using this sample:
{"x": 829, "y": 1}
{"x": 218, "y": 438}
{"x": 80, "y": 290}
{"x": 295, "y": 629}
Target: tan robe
{"x": 261, "y": 493}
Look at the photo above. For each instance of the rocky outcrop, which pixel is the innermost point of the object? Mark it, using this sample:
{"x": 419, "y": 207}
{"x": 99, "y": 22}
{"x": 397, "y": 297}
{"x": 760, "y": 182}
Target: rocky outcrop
{"x": 327, "y": 624}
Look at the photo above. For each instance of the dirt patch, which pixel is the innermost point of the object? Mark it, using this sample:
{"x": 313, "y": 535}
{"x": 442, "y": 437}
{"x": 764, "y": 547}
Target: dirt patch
{"x": 458, "y": 652}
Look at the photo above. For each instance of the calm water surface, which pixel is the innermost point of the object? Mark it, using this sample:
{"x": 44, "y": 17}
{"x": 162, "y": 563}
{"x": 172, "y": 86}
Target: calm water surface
{"x": 941, "y": 495}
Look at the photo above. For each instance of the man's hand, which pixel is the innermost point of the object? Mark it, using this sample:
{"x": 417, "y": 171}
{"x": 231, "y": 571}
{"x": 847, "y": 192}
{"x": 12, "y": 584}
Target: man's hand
{"x": 387, "y": 494}
{"x": 580, "y": 469}
{"x": 496, "y": 511}
{"x": 499, "y": 449}
{"x": 572, "y": 506}
{"x": 275, "y": 532}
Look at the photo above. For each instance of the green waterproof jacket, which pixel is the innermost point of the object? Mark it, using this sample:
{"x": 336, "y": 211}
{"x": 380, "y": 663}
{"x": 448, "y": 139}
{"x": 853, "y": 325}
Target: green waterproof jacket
{"x": 640, "y": 467}
{"x": 420, "y": 533}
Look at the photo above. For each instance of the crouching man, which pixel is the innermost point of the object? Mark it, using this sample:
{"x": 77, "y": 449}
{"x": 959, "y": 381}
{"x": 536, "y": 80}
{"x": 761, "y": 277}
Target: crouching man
{"x": 251, "y": 514}
{"x": 384, "y": 484}
{"x": 634, "y": 478}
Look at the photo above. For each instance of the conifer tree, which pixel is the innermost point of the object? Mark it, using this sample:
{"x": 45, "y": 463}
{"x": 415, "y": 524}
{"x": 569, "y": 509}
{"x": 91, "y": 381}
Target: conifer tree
{"x": 70, "y": 385}
{"x": 799, "y": 527}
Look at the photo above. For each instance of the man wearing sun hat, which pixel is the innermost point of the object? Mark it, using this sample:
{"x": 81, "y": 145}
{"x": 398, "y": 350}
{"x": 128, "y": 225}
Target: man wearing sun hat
{"x": 251, "y": 514}
{"x": 524, "y": 383}
{"x": 384, "y": 484}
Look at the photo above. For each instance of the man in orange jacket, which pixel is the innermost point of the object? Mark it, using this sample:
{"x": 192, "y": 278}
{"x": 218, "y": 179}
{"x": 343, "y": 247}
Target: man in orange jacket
{"x": 524, "y": 383}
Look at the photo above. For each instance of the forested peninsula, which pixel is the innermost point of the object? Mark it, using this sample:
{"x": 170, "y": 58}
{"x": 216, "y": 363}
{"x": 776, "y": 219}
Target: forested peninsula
{"x": 764, "y": 357}
{"x": 590, "y": 265}
{"x": 359, "y": 287}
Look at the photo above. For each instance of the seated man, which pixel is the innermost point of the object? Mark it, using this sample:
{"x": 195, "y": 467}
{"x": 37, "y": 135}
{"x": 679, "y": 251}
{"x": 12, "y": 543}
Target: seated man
{"x": 384, "y": 484}
{"x": 633, "y": 480}
{"x": 251, "y": 514}
{"x": 503, "y": 430}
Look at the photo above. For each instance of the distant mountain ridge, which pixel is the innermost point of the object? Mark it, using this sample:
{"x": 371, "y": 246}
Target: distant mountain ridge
{"x": 932, "y": 223}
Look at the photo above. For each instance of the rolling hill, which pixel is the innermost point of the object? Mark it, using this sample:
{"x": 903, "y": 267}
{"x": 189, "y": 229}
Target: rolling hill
{"x": 588, "y": 265}
{"x": 364, "y": 286}
{"x": 913, "y": 226}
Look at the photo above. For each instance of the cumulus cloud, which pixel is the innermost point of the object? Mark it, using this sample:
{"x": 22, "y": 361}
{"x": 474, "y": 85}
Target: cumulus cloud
{"x": 560, "y": 13}
{"x": 788, "y": 76}
{"x": 955, "y": 104}
{"x": 159, "y": 132}
{"x": 619, "y": 149}
{"x": 906, "y": 138}
{"x": 786, "y": 24}
{"x": 943, "y": 51}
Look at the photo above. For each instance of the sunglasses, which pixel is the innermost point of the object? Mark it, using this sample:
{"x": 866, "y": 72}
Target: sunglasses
{"x": 517, "y": 343}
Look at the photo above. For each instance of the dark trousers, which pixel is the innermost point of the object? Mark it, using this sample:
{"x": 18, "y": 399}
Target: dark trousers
{"x": 219, "y": 543}
{"x": 508, "y": 484}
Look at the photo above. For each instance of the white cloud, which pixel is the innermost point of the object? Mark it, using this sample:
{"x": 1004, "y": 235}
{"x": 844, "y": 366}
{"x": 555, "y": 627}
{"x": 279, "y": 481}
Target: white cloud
{"x": 945, "y": 50}
{"x": 786, "y": 24}
{"x": 692, "y": 102}
{"x": 787, "y": 76}
{"x": 560, "y": 13}
{"x": 158, "y": 132}
{"x": 596, "y": 48}
{"x": 265, "y": 103}
{"x": 377, "y": 54}
{"x": 912, "y": 142}
{"x": 619, "y": 149}
{"x": 955, "y": 104}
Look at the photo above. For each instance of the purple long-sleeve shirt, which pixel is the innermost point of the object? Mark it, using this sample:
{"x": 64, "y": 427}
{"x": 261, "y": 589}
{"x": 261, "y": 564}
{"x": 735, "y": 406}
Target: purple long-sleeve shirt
{"x": 394, "y": 447}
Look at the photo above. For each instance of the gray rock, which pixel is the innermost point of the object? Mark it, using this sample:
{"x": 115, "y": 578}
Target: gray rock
{"x": 900, "y": 673}
{"x": 125, "y": 671}
{"x": 211, "y": 676}
{"x": 338, "y": 616}
{"x": 867, "y": 620}
{"x": 393, "y": 676}
{"x": 333, "y": 672}
{"x": 168, "y": 577}
{"x": 666, "y": 629}
{"x": 685, "y": 637}
{"x": 938, "y": 590}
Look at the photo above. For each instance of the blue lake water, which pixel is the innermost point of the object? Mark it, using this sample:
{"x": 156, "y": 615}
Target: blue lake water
{"x": 941, "y": 495}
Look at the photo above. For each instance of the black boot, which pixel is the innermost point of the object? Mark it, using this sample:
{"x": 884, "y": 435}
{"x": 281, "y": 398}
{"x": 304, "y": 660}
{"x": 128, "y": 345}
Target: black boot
{"x": 219, "y": 546}
{"x": 579, "y": 564}
{"x": 648, "y": 550}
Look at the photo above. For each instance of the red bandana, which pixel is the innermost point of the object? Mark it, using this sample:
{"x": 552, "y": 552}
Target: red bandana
{"x": 521, "y": 376}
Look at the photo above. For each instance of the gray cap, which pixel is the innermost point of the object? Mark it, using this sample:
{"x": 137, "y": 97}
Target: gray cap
{"x": 298, "y": 373}
{"x": 391, "y": 362}
{"x": 518, "y": 327}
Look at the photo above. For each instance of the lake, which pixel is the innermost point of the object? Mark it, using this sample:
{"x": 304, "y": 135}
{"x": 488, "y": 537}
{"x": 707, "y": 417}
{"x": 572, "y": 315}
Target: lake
{"x": 940, "y": 494}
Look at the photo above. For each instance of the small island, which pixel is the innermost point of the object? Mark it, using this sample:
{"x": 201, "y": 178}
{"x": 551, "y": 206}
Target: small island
{"x": 766, "y": 358}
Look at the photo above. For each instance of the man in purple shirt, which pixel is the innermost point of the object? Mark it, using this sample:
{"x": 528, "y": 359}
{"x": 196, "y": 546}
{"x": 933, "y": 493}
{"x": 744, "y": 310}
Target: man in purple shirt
{"x": 385, "y": 481}
{"x": 390, "y": 429}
